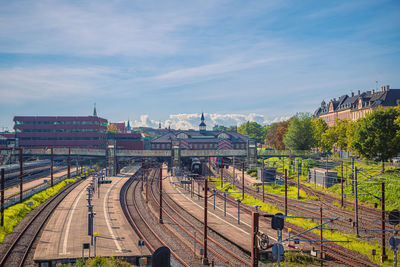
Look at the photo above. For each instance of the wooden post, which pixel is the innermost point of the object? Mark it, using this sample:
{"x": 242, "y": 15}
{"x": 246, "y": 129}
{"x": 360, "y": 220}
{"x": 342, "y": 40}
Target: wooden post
{"x": 254, "y": 245}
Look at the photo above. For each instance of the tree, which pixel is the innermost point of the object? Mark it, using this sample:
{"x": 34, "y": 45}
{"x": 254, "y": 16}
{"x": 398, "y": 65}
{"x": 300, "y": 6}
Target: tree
{"x": 280, "y": 133}
{"x": 299, "y": 134}
{"x": 377, "y": 136}
{"x": 319, "y": 128}
{"x": 341, "y": 131}
{"x": 328, "y": 139}
{"x": 253, "y": 130}
{"x": 112, "y": 128}
{"x": 270, "y": 136}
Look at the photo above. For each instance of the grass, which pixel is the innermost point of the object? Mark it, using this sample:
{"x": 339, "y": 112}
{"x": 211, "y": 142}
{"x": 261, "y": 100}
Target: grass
{"x": 98, "y": 262}
{"x": 369, "y": 176}
{"x": 357, "y": 244}
{"x": 279, "y": 189}
{"x": 14, "y": 214}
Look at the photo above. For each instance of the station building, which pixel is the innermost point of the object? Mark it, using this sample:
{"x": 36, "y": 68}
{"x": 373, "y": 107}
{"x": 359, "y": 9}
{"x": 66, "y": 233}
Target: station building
{"x": 201, "y": 140}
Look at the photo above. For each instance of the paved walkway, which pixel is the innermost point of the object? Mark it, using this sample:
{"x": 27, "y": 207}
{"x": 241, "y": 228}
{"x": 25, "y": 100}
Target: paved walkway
{"x": 67, "y": 229}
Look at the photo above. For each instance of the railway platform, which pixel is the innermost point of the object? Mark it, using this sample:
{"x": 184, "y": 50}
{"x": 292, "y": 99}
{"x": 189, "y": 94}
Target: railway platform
{"x": 66, "y": 232}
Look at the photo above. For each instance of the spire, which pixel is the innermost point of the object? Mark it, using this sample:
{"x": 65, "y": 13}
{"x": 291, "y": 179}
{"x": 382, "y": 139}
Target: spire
{"x": 202, "y": 125}
{"x": 128, "y": 126}
{"x": 159, "y": 125}
{"x": 94, "y": 111}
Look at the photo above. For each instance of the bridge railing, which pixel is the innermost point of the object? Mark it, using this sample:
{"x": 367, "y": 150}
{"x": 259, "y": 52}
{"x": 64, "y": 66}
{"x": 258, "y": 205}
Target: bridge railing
{"x": 267, "y": 152}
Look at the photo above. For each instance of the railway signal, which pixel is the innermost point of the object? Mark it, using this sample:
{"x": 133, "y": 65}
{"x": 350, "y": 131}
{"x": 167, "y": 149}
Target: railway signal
{"x": 394, "y": 217}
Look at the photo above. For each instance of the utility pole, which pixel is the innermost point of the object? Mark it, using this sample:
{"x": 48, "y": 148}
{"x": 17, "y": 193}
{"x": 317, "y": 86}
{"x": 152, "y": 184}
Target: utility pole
{"x": 222, "y": 176}
{"x": 321, "y": 236}
{"x": 161, "y": 220}
{"x": 356, "y": 201}
{"x": 2, "y": 197}
{"x": 205, "y": 259}
{"x": 254, "y": 246}
{"x": 234, "y": 176}
{"x": 51, "y": 170}
{"x": 384, "y": 256}
{"x": 20, "y": 176}
{"x": 242, "y": 180}
{"x": 262, "y": 178}
{"x": 341, "y": 182}
{"x": 298, "y": 180}
{"x": 285, "y": 192}
{"x": 69, "y": 162}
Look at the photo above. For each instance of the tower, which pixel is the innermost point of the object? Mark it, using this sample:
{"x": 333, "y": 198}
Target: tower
{"x": 94, "y": 111}
{"x": 202, "y": 125}
{"x": 128, "y": 126}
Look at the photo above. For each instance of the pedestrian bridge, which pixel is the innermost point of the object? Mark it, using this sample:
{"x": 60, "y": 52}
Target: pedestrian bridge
{"x": 82, "y": 152}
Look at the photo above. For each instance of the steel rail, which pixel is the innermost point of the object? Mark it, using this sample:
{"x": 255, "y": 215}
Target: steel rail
{"x": 224, "y": 259}
{"x": 58, "y": 198}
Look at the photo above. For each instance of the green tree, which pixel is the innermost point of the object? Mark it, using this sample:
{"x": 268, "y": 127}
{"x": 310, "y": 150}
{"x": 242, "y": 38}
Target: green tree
{"x": 299, "y": 135}
{"x": 319, "y": 127}
{"x": 341, "y": 131}
{"x": 377, "y": 136}
{"x": 253, "y": 130}
{"x": 328, "y": 139}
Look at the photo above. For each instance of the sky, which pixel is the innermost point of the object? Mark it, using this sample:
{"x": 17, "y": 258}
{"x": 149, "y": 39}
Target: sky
{"x": 168, "y": 61}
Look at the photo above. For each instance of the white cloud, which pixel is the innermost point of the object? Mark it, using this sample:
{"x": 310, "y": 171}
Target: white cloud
{"x": 186, "y": 121}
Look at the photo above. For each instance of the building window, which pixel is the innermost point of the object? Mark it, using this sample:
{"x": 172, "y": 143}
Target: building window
{"x": 162, "y": 146}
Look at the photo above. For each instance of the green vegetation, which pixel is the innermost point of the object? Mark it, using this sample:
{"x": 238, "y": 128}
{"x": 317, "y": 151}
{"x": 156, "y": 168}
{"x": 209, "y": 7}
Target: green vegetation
{"x": 354, "y": 243}
{"x": 14, "y": 214}
{"x": 98, "y": 262}
{"x": 299, "y": 135}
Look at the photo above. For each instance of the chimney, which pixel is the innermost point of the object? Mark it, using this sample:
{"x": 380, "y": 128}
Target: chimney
{"x": 373, "y": 92}
{"x": 387, "y": 87}
{"x": 352, "y": 94}
{"x": 382, "y": 88}
{"x": 358, "y": 92}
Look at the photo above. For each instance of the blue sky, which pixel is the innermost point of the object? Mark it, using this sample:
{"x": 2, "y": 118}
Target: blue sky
{"x": 167, "y": 61}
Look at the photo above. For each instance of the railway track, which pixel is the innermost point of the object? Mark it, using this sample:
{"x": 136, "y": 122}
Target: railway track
{"x": 223, "y": 250}
{"x": 368, "y": 217}
{"x": 336, "y": 252}
{"x": 20, "y": 248}
{"x": 144, "y": 224}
